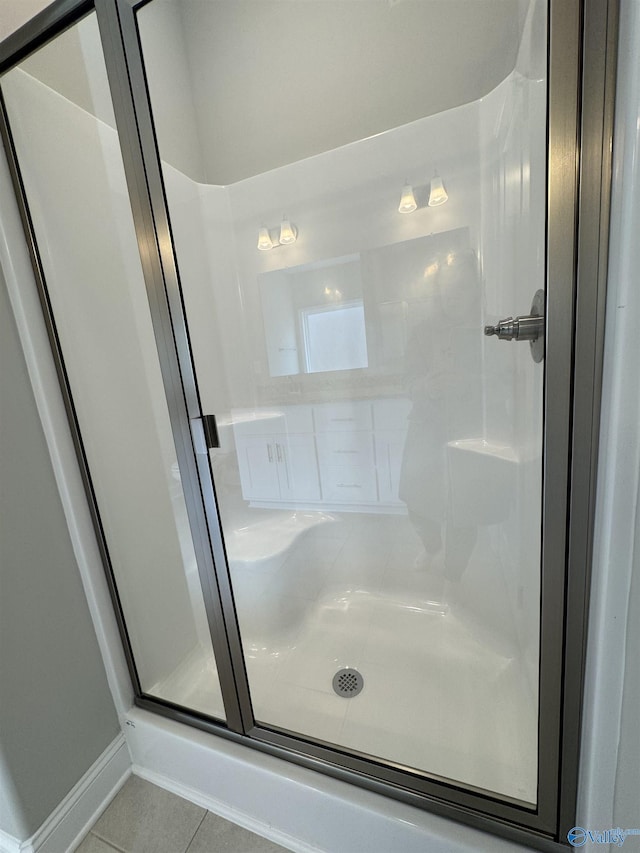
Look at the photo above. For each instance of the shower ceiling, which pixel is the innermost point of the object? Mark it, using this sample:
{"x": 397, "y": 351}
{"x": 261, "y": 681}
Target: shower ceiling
{"x": 362, "y": 92}
{"x": 210, "y": 75}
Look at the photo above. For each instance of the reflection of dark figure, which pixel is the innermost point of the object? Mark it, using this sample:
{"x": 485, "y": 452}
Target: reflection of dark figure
{"x": 442, "y": 364}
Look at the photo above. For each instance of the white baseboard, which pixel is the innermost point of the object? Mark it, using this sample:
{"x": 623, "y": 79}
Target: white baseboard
{"x": 67, "y": 825}
{"x": 293, "y": 806}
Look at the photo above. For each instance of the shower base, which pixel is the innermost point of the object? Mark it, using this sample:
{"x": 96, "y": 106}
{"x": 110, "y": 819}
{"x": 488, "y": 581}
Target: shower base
{"x": 446, "y": 689}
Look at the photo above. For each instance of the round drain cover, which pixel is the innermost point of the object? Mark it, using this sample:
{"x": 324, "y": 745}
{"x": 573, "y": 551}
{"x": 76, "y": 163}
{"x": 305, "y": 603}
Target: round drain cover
{"x": 348, "y": 682}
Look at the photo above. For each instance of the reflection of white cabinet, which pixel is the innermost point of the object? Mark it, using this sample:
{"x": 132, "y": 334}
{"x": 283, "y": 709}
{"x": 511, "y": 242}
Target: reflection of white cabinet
{"x": 278, "y": 467}
{"x": 389, "y": 452}
{"x": 345, "y": 452}
{"x": 277, "y": 454}
{"x": 390, "y": 431}
{"x": 330, "y": 455}
{"x": 342, "y": 417}
{"x": 258, "y": 472}
{"x": 297, "y": 468}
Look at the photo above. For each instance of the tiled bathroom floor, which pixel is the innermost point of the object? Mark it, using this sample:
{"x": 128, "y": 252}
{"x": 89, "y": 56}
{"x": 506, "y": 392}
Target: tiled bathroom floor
{"x": 143, "y": 818}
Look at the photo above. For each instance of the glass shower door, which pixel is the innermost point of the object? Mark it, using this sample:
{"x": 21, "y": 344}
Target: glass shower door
{"x": 348, "y": 219}
{"x": 67, "y": 152}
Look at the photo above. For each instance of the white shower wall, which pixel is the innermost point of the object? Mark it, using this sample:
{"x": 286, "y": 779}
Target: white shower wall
{"x": 345, "y": 201}
{"x": 513, "y": 133}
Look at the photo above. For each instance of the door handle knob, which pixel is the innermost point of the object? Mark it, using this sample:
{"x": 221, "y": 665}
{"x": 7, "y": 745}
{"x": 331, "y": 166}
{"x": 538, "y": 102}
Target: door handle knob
{"x": 526, "y": 328}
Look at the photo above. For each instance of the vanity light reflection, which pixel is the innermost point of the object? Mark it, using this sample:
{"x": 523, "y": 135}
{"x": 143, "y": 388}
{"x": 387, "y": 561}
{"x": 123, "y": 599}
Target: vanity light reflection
{"x": 270, "y": 238}
{"x": 437, "y": 195}
{"x": 407, "y": 201}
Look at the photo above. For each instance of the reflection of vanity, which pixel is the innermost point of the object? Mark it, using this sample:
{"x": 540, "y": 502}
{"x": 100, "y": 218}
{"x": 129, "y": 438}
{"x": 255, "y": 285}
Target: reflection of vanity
{"x": 352, "y": 314}
{"x": 344, "y": 327}
{"x": 277, "y": 455}
{"x": 344, "y": 455}
{"x": 314, "y": 317}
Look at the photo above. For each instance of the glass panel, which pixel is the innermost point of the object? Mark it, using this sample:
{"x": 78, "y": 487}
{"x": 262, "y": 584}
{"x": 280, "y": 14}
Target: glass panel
{"x": 62, "y": 121}
{"x": 356, "y": 190}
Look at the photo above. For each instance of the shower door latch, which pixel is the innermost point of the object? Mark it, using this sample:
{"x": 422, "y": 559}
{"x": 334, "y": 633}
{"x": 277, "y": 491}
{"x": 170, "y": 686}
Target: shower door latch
{"x": 210, "y": 428}
{"x": 528, "y": 328}
{"x": 205, "y": 433}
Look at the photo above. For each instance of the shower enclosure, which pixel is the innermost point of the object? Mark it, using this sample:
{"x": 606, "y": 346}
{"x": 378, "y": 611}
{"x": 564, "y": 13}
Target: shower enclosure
{"x": 280, "y": 246}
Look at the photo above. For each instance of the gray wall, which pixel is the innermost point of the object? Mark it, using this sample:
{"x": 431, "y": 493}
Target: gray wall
{"x": 14, "y": 13}
{"x": 56, "y": 712}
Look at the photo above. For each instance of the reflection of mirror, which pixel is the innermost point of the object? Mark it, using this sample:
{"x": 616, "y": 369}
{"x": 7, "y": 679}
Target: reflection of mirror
{"x": 355, "y": 311}
{"x": 314, "y": 317}
{"x": 334, "y": 337}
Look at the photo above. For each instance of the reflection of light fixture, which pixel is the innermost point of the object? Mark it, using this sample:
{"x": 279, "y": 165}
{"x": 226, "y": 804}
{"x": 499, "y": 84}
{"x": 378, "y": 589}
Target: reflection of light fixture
{"x": 270, "y": 238}
{"x": 333, "y": 293}
{"x": 407, "y": 200}
{"x": 288, "y": 232}
{"x": 431, "y": 269}
{"x": 437, "y": 193}
{"x": 264, "y": 239}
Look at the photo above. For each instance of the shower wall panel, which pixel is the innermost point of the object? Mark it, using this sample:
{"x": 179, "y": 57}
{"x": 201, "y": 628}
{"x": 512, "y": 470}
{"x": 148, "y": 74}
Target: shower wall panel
{"x": 513, "y": 261}
{"x": 201, "y": 228}
{"x": 226, "y": 294}
{"x": 345, "y": 201}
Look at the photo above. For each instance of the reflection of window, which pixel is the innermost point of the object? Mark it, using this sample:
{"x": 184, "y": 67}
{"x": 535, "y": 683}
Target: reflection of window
{"x": 334, "y": 337}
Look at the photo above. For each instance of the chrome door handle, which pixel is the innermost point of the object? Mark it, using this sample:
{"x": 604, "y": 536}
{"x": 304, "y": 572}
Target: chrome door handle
{"x": 527, "y": 328}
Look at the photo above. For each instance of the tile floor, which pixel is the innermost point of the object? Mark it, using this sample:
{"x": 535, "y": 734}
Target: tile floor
{"x": 143, "y": 818}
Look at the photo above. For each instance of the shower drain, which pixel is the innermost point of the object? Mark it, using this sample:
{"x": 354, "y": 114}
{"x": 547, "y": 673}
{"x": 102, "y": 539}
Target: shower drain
{"x": 348, "y": 682}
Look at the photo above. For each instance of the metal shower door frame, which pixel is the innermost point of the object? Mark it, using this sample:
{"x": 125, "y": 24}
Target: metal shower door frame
{"x": 582, "y": 51}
